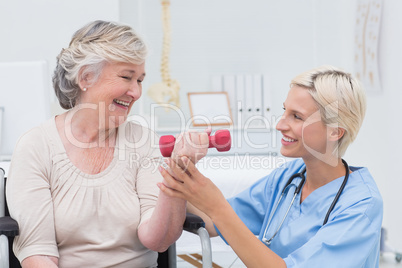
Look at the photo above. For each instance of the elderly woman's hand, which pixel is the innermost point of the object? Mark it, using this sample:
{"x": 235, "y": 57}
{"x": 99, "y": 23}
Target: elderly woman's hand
{"x": 189, "y": 184}
{"x": 193, "y": 145}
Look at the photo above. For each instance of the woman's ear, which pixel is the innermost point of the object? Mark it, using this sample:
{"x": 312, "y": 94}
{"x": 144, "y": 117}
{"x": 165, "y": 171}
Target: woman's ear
{"x": 336, "y": 133}
{"x": 85, "y": 79}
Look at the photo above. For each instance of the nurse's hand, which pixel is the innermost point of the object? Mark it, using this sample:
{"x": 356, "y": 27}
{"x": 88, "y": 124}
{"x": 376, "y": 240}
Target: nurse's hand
{"x": 189, "y": 184}
{"x": 193, "y": 145}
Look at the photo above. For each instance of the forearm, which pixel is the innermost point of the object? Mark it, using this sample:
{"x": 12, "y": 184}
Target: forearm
{"x": 165, "y": 225}
{"x": 40, "y": 261}
{"x": 247, "y": 246}
{"x": 200, "y": 191}
{"x": 209, "y": 225}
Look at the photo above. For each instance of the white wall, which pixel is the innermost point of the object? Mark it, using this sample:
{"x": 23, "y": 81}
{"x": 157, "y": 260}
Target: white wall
{"x": 38, "y": 30}
{"x": 281, "y": 38}
{"x": 284, "y": 38}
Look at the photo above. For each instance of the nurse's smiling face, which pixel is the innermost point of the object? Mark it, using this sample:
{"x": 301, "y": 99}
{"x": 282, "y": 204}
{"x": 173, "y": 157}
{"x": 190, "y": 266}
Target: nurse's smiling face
{"x": 301, "y": 126}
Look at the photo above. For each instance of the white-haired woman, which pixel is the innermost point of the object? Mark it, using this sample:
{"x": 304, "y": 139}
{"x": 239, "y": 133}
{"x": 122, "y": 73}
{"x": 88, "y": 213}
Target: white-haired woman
{"x": 81, "y": 186}
{"x": 330, "y": 214}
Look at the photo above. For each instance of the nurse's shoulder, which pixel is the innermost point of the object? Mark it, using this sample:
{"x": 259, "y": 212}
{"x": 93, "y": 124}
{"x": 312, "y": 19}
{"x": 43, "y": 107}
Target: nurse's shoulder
{"x": 363, "y": 189}
{"x": 280, "y": 175}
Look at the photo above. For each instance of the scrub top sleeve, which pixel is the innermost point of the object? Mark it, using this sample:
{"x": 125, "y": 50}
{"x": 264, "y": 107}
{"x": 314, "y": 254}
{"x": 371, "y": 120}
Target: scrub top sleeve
{"x": 251, "y": 204}
{"x": 351, "y": 239}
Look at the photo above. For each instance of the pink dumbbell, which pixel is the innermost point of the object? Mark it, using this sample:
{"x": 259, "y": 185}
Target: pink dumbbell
{"x": 221, "y": 141}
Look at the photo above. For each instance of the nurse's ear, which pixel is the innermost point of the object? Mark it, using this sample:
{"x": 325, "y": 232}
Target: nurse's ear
{"x": 336, "y": 133}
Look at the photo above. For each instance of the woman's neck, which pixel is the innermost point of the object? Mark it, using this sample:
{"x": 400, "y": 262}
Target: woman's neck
{"x": 319, "y": 173}
{"x": 89, "y": 147}
{"x": 85, "y": 126}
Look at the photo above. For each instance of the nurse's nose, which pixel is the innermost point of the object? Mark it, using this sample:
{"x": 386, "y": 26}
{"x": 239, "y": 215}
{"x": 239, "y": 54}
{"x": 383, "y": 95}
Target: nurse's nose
{"x": 282, "y": 124}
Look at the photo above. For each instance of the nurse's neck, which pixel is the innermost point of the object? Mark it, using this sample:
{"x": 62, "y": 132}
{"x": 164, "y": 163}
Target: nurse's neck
{"x": 319, "y": 173}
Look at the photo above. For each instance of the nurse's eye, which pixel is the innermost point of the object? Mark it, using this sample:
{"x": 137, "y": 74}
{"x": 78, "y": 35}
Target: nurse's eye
{"x": 297, "y": 117}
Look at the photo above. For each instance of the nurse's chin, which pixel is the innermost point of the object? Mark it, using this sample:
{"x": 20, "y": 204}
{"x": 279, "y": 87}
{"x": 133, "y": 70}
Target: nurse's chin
{"x": 289, "y": 153}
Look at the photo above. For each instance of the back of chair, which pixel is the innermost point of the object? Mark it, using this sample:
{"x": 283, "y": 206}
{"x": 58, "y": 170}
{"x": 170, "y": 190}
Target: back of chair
{"x": 13, "y": 261}
{"x": 168, "y": 258}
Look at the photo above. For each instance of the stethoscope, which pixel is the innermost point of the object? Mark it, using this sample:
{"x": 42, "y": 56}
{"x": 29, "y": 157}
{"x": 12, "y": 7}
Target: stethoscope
{"x": 302, "y": 176}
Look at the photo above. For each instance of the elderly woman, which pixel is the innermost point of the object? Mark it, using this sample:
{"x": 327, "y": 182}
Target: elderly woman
{"x": 80, "y": 185}
{"x": 330, "y": 214}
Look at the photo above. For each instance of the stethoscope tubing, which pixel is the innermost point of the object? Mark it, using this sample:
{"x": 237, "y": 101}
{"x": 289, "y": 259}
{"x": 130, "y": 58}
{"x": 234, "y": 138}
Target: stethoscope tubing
{"x": 297, "y": 190}
{"x": 338, "y": 194}
{"x": 268, "y": 242}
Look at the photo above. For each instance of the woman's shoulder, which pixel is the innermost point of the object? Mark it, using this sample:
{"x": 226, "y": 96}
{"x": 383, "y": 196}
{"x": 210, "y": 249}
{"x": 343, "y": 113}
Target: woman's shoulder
{"x": 36, "y": 136}
{"x": 33, "y": 145}
{"x": 290, "y": 166}
{"x": 361, "y": 176}
{"x": 131, "y": 128}
{"x": 362, "y": 179}
{"x": 284, "y": 170}
{"x": 134, "y": 136}
{"x": 362, "y": 195}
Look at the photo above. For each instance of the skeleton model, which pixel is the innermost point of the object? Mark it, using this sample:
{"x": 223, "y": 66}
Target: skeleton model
{"x": 166, "y": 91}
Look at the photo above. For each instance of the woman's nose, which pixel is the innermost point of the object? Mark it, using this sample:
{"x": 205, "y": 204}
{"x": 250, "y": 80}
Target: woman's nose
{"x": 135, "y": 92}
{"x": 282, "y": 125}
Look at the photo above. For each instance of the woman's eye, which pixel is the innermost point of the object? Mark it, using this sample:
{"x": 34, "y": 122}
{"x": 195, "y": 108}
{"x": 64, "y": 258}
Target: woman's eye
{"x": 297, "y": 117}
{"x": 126, "y": 77}
{"x": 139, "y": 81}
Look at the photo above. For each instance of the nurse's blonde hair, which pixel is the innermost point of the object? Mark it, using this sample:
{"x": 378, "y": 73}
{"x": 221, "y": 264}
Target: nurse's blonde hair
{"x": 340, "y": 98}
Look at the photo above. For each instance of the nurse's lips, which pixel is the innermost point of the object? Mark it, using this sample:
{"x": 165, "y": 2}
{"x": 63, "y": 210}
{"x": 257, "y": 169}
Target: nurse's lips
{"x": 288, "y": 140}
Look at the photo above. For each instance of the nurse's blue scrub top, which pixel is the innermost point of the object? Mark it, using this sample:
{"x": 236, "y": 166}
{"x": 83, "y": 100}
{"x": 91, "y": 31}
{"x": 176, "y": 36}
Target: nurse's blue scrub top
{"x": 351, "y": 237}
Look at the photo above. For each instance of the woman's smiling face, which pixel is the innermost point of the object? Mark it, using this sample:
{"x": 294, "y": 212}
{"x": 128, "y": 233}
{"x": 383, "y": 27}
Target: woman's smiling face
{"x": 117, "y": 88}
{"x": 301, "y": 125}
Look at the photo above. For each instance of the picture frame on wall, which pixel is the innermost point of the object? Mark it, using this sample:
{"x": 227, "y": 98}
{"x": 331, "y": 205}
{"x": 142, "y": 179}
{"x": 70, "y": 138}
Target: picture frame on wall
{"x": 210, "y": 108}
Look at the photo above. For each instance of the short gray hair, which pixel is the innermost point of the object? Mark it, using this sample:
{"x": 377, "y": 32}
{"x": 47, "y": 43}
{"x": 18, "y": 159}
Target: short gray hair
{"x": 340, "y": 99}
{"x": 90, "y": 48}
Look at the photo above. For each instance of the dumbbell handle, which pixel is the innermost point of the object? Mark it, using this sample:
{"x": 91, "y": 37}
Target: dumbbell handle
{"x": 221, "y": 141}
